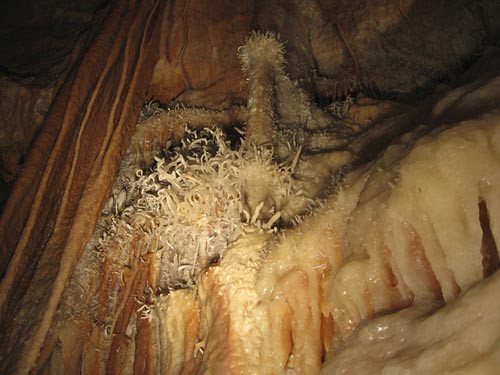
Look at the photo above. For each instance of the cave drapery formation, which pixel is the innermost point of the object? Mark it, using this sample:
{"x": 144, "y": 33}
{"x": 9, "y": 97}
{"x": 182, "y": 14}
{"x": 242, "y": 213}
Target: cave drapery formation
{"x": 321, "y": 88}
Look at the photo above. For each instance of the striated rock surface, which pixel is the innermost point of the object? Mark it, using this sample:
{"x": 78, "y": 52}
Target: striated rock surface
{"x": 40, "y": 43}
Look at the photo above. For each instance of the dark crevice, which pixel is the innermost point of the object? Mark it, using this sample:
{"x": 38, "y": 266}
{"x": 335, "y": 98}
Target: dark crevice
{"x": 235, "y": 135}
{"x": 489, "y": 248}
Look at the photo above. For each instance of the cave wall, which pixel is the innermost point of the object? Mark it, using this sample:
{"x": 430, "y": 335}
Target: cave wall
{"x": 70, "y": 105}
{"x": 72, "y": 162}
{"x": 40, "y": 42}
{"x": 334, "y": 48}
{"x": 379, "y": 49}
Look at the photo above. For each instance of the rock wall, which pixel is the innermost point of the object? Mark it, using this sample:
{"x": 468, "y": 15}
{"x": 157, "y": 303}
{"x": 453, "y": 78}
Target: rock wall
{"x": 70, "y": 106}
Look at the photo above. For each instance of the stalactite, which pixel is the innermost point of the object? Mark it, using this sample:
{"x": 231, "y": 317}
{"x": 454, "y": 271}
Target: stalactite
{"x": 263, "y": 61}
